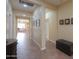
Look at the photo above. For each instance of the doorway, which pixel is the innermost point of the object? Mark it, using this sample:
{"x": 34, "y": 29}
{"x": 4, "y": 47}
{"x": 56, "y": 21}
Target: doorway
{"x": 23, "y": 28}
{"x": 22, "y": 25}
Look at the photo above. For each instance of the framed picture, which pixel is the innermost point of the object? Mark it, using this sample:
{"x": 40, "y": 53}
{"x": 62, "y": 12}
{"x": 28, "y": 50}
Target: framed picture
{"x": 36, "y": 23}
{"x": 71, "y": 20}
{"x": 61, "y": 22}
{"x": 67, "y": 21}
{"x": 39, "y": 22}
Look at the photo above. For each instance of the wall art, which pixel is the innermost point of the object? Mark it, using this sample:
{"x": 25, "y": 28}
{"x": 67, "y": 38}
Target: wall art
{"x": 61, "y": 22}
{"x": 67, "y": 21}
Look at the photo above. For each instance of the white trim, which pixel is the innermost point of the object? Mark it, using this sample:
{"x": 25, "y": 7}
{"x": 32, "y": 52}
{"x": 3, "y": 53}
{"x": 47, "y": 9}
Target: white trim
{"x": 36, "y": 43}
{"x": 52, "y": 41}
{"x": 43, "y": 48}
{"x": 11, "y": 55}
{"x": 39, "y": 45}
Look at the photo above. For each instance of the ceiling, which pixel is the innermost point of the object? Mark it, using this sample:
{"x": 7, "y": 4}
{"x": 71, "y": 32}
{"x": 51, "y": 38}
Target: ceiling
{"x": 18, "y": 6}
{"x": 55, "y": 2}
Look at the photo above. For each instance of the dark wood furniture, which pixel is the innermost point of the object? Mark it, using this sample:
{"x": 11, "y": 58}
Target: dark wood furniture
{"x": 65, "y": 46}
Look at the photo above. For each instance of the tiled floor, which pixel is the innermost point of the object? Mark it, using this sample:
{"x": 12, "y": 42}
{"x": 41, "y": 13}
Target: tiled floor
{"x": 27, "y": 49}
{"x": 52, "y": 53}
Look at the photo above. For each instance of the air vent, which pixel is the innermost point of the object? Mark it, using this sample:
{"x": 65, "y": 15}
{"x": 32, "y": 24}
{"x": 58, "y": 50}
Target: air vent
{"x": 27, "y": 3}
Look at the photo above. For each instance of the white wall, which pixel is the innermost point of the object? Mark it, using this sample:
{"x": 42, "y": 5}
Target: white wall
{"x": 11, "y": 22}
{"x": 38, "y": 31}
{"x": 51, "y": 16}
{"x": 65, "y": 31}
{"x": 56, "y": 31}
{"x": 14, "y": 26}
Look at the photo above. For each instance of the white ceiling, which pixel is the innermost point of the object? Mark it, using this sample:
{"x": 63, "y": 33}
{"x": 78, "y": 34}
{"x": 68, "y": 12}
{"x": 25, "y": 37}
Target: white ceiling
{"x": 16, "y": 5}
{"x": 56, "y": 2}
{"x": 22, "y": 13}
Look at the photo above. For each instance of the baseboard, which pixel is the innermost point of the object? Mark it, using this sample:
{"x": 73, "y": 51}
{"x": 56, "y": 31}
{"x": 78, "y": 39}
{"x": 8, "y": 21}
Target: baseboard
{"x": 52, "y": 41}
{"x": 36, "y": 43}
{"x": 43, "y": 48}
{"x": 39, "y": 45}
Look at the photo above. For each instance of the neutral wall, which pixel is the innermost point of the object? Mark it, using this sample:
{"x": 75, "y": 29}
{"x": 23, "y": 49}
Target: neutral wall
{"x": 56, "y": 31}
{"x": 14, "y": 26}
{"x": 11, "y": 22}
{"x": 51, "y": 16}
{"x": 65, "y": 31}
{"x": 38, "y": 31}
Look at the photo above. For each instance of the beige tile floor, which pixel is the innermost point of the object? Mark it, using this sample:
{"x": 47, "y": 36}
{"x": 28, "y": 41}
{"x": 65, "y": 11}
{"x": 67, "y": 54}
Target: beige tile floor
{"x": 27, "y": 49}
{"x": 52, "y": 53}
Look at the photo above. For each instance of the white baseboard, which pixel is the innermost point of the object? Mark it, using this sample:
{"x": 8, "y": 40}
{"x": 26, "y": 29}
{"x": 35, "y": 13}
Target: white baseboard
{"x": 52, "y": 41}
{"x": 39, "y": 46}
{"x": 37, "y": 43}
{"x": 43, "y": 48}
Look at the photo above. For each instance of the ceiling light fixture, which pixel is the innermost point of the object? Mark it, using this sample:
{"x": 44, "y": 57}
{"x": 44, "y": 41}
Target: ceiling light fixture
{"x": 25, "y": 5}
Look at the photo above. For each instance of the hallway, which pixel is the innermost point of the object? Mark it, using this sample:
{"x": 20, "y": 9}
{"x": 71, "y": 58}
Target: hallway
{"x": 27, "y": 49}
{"x": 33, "y": 27}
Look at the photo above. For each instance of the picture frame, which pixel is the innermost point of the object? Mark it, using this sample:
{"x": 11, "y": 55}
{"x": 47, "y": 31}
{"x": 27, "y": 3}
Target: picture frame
{"x": 61, "y": 22}
{"x": 67, "y": 21}
{"x": 36, "y": 23}
{"x": 71, "y": 20}
{"x": 39, "y": 22}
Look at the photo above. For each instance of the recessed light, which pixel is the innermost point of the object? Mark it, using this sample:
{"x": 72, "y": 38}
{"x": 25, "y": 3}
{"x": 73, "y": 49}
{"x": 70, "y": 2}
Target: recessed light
{"x": 25, "y": 5}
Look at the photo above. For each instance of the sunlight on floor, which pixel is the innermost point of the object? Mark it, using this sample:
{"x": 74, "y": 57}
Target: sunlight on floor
{"x": 21, "y": 36}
